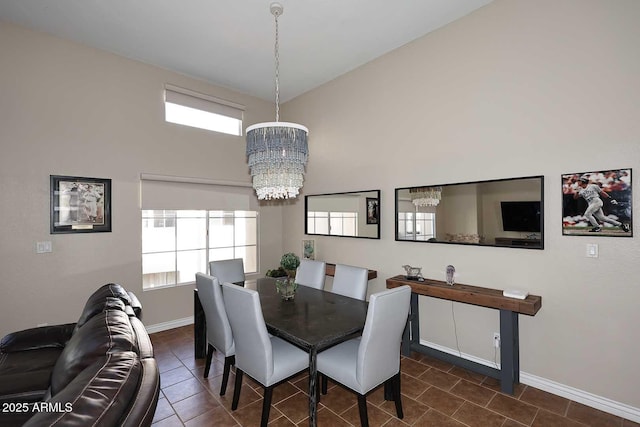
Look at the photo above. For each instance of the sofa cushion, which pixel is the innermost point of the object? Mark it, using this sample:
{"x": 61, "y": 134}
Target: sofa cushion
{"x": 25, "y": 376}
{"x": 99, "y": 395}
{"x": 108, "y": 331}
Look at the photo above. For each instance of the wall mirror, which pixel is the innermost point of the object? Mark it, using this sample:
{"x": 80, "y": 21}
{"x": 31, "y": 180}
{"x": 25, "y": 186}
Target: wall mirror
{"x": 352, "y": 214}
{"x": 502, "y": 212}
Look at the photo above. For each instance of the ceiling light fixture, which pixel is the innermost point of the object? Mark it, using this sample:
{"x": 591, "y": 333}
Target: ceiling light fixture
{"x": 277, "y": 151}
{"x": 425, "y": 196}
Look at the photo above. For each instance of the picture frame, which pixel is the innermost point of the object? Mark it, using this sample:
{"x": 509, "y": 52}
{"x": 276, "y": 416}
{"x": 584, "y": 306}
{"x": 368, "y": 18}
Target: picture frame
{"x": 309, "y": 249}
{"x": 597, "y": 203}
{"x": 80, "y": 204}
{"x": 373, "y": 211}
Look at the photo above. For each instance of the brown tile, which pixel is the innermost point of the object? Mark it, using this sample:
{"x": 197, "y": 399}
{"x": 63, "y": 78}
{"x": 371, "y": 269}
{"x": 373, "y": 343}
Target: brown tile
{"x": 296, "y": 407}
{"x": 439, "y": 379}
{"x": 195, "y": 405}
{"x": 167, "y": 362}
{"x": 476, "y": 416}
{"x": 284, "y": 391}
{"x": 327, "y": 418}
{"x": 592, "y": 416}
{"x": 511, "y": 423}
{"x": 216, "y": 417}
{"x": 376, "y": 396}
{"x": 473, "y": 392}
{"x": 247, "y": 396}
{"x": 412, "y": 367}
{"x": 545, "y": 400}
{"x": 172, "y": 421}
{"x": 545, "y": 418}
{"x": 338, "y": 399}
{"x": 411, "y": 408}
{"x": 377, "y": 416}
{"x": 628, "y": 423}
{"x": 251, "y": 414}
{"x": 440, "y": 400}
{"x": 436, "y": 363}
{"x": 282, "y": 422}
{"x": 163, "y": 410}
{"x": 494, "y": 385}
{"x": 512, "y": 408}
{"x": 434, "y": 418}
{"x": 182, "y": 390}
{"x": 412, "y": 387}
{"x": 175, "y": 376}
{"x": 465, "y": 374}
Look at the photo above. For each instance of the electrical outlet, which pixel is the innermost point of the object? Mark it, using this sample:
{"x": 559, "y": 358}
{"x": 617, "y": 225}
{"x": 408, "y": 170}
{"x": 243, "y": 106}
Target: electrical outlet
{"x": 496, "y": 339}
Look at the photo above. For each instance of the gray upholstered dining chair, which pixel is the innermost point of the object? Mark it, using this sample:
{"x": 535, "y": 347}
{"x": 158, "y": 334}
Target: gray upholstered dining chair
{"x": 363, "y": 363}
{"x": 350, "y": 281}
{"x": 219, "y": 334}
{"x": 228, "y": 270}
{"x": 311, "y": 273}
{"x": 268, "y": 360}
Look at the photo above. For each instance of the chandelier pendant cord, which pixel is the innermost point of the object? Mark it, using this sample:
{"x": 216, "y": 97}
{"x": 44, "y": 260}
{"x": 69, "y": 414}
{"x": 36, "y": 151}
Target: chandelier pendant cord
{"x": 277, "y": 58}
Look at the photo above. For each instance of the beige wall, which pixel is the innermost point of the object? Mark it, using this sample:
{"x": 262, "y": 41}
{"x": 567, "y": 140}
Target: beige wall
{"x": 517, "y": 88}
{"x": 69, "y": 110}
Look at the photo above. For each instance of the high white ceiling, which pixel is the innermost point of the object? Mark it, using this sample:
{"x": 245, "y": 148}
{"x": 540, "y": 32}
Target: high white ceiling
{"x": 231, "y": 42}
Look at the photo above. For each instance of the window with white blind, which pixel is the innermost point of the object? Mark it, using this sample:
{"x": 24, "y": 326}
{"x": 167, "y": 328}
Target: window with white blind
{"x": 189, "y": 108}
{"x": 185, "y": 225}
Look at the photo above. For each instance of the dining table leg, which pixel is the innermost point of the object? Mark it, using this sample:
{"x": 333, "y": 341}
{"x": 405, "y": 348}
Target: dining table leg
{"x": 313, "y": 389}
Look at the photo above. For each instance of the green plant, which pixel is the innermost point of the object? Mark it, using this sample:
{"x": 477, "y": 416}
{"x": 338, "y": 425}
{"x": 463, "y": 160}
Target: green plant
{"x": 289, "y": 261}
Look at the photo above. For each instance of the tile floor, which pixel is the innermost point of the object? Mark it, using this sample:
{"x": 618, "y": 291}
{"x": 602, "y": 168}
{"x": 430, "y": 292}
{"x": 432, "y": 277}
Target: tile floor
{"x": 434, "y": 394}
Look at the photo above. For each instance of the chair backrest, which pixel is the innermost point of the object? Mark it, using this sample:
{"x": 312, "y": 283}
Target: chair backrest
{"x": 218, "y": 329}
{"x": 379, "y": 351}
{"x": 350, "y": 281}
{"x": 254, "y": 354}
{"x": 227, "y": 270}
{"x": 311, "y": 273}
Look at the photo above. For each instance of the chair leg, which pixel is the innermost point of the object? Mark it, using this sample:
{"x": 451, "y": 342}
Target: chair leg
{"x": 362, "y": 408}
{"x": 266, "y": 406}
{"x": 397, "y": 396}
{"x": 236, "y": 389}
{"x": 228, "y": 361}
{"x": 324, "y": 383}
{"x": 207, "y": 365}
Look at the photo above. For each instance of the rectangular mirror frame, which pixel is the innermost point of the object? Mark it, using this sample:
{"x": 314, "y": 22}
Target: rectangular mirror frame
{"x": 487, "y": 210}
{"x": 366, "y": 203}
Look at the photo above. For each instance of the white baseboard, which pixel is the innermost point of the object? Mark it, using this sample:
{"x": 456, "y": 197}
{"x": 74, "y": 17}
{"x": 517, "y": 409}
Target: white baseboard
{"x": 159, "y": 327}
{"x": 598, "y": 402}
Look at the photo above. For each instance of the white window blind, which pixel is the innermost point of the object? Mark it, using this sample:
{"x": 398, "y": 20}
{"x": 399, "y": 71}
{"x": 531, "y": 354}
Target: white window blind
{"x": 179, "y": 193}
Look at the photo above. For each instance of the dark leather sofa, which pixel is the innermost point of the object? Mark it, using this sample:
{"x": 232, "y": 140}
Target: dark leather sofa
{"x": 98, "y": 371}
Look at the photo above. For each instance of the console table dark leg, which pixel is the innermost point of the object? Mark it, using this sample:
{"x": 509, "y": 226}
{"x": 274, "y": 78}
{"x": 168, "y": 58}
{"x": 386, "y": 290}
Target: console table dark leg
{"x": 411, "y": 333}
{"x": 509, "y": 351}
{"x": 199, "y": 328}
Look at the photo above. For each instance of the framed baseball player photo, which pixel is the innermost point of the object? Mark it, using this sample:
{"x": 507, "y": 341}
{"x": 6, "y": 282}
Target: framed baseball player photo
{"x": 597, "y": 203}
{"x": 80, "y": 205}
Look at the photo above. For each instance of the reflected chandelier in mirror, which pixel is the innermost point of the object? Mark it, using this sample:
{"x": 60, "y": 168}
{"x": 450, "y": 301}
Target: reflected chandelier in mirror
{"x": 351, "y": 214}
{"x": 501, "y": 212}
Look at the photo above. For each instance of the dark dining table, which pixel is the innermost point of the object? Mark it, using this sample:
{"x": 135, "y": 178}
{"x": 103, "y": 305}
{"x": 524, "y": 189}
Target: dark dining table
{"x": 314, "y": 321}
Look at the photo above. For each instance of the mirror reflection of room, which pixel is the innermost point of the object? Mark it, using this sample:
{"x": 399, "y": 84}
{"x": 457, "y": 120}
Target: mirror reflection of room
{"x": 350, "y": 214}
{"x": 494, "y": 213}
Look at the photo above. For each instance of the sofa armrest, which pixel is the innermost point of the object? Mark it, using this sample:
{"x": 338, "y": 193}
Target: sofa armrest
{"x": 135, "y": 304}
{"x": 34, "y": 338}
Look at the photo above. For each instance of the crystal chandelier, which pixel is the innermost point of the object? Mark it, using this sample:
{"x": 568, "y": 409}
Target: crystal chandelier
{"x": 425, "y": 196}
{"x": 277, "y": 151}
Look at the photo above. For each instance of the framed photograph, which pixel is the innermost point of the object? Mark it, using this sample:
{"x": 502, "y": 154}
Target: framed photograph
{"x": 373, "y": 215}
{"x": 80, "y": 205}
{"x": 597, "y": 203}
{"x": 309, "y": 249}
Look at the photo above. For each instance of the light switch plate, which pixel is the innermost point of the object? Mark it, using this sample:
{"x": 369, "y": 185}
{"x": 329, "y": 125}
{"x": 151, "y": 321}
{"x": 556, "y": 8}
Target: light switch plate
{"x": 43, "y": 247}
{"x": 592, "y": 250}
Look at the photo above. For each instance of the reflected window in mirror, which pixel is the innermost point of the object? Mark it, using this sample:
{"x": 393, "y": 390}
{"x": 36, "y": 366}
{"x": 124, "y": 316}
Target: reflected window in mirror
{"x": 503, "y": 212}
{"x": 346, "y": 214}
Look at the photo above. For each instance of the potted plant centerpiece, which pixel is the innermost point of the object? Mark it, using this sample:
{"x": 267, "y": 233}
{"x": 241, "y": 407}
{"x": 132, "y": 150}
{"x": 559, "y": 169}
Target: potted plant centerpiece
{"x": 287, "y": 287}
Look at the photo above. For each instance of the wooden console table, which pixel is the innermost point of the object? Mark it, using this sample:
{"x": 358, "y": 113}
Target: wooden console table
{"x": 509, "y": 308}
